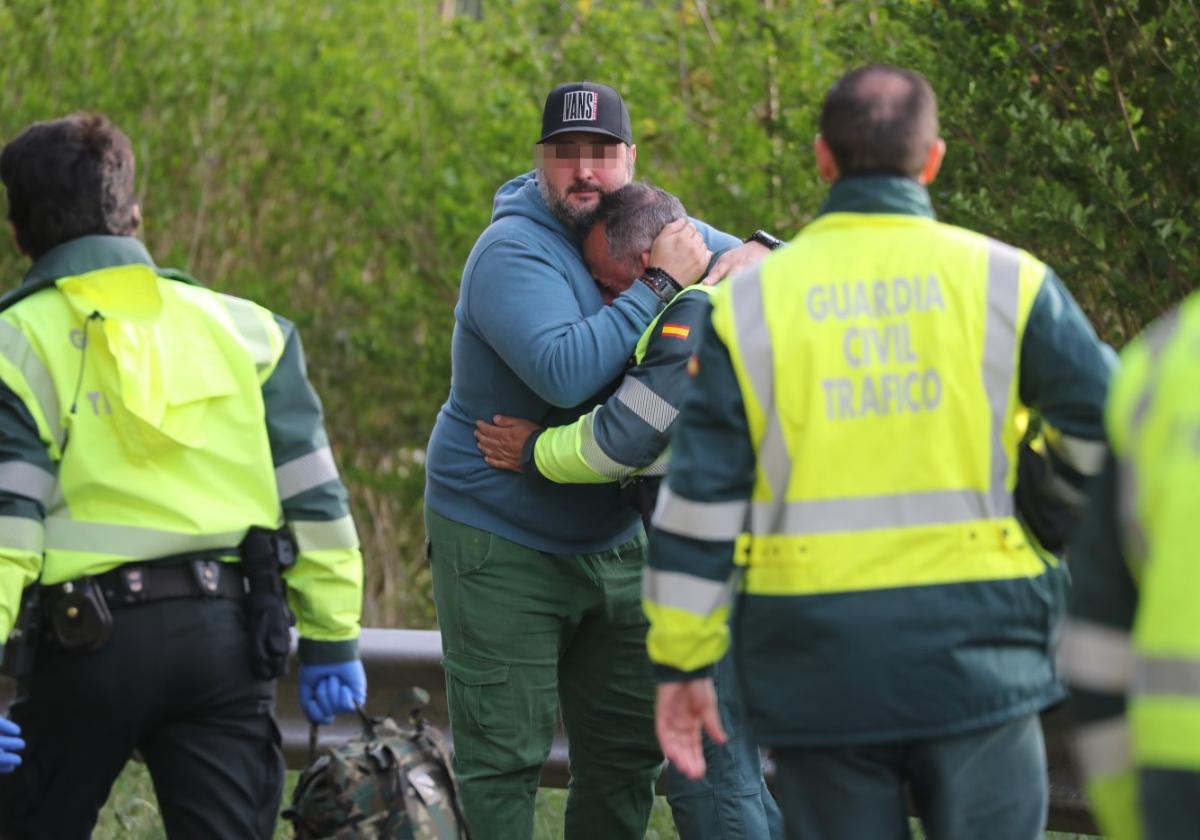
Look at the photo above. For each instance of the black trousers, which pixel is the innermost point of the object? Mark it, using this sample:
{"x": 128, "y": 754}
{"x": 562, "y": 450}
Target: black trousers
{"x": 173, "y": 682}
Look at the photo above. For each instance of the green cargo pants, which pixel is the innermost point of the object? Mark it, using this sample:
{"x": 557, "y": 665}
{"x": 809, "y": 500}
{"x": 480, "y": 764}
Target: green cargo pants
{"x": 984, "y": 785}
{"x": 524, "y": 633}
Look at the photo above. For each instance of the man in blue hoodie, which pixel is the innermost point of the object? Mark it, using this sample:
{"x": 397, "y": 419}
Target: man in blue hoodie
{"x": 538, "y": 585}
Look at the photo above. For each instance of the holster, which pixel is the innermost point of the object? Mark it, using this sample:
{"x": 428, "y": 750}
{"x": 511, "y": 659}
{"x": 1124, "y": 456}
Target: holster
{"x": 20, "y": 652}
{"x": 641, "y": 494}
{"x": 265, "y": 554}
{"x": 80, "y": 620}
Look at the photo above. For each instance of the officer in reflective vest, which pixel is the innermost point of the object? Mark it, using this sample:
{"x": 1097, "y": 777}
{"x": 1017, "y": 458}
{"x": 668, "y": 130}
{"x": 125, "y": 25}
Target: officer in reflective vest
{"x": 153, "y": 437}
{"x": 856, "y": 424}
{"x": 1131, "y": 648}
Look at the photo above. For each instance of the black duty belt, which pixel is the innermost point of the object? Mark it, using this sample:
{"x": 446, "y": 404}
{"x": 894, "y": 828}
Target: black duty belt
{"x": 140, "y": 583}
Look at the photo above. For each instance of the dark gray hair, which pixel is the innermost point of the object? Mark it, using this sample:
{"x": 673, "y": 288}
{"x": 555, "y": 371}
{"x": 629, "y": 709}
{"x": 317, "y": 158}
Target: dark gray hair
{"x": 633, "y": 216}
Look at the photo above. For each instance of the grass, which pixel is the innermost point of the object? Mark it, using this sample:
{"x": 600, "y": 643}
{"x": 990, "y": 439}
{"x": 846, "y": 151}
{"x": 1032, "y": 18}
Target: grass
{"x": 132, "y": 813}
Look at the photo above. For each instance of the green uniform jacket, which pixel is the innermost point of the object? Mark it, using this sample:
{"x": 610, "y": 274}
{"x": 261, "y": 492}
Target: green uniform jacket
{"x": 325, "y": 584}
{"x": 868, "y": 666}
{"x": 628, "y": 433}
{"x": 1131, "y": 648}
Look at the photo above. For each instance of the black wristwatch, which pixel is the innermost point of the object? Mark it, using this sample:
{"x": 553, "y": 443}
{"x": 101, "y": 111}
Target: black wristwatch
{"x": 766, "y": 239}
{"x": 661, "y": 283}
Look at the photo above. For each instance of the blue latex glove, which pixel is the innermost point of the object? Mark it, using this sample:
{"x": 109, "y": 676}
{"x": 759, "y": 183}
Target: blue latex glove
{"x": 330, "y": 690}
{"x": 10, "y": 745}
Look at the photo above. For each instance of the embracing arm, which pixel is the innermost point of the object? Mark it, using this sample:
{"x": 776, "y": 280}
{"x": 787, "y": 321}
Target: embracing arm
{"x": 523, "y": 306}
{"x": 628, "y": 434}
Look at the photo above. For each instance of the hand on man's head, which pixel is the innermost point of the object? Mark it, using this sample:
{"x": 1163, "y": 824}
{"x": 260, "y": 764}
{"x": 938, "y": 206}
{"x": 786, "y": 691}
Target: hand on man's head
{"x": 735, "y": 260}
{"x": 679, "y": 250}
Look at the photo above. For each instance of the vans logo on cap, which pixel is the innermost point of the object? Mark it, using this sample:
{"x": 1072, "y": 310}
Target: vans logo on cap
{"x": 580, "y": 105}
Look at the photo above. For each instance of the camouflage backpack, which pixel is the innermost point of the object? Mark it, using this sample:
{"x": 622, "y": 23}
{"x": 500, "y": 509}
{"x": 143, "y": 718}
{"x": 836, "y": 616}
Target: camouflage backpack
{"x": 391, "y": 782}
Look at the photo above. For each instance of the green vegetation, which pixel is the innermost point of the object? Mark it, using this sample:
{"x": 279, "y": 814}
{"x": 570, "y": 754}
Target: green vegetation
{"x": 336, "y": 161}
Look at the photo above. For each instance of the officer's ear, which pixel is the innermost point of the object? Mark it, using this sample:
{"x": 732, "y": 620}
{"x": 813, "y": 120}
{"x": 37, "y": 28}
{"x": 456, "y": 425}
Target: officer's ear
{"x": 827, "y": 167}
{"x": 933, "y": 162}
{"x": 137, "y": 217}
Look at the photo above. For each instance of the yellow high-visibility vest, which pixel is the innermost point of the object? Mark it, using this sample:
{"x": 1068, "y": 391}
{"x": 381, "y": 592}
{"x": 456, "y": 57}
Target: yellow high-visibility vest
{"x": 153, "y": 387}
{"x": 878, "y": 360}
{"x": 1153, "y": 421}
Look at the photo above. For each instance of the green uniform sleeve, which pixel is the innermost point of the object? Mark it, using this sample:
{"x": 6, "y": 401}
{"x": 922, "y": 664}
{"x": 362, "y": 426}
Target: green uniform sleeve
{"x": 1064, "y": 376}
{"x": 628, "y": 434}
{"x": 27, "y": 477}
{"x": 1096, "y": 657}
{"x": 689, "y": 583}
{"x": 325, "y": 584}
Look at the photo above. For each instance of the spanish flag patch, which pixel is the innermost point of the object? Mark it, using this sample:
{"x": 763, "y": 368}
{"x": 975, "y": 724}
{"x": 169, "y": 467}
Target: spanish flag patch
{"x": 676, "y": 330}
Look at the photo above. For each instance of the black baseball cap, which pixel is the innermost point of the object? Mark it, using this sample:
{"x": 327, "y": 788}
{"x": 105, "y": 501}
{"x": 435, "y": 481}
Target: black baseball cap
{"x": 587, "y": 107}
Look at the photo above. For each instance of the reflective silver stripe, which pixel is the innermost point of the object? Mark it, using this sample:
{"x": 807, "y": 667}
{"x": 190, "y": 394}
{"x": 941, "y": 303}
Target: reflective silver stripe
{"x": 1175, "y": 676}
{"x": 15, "y": 347}
{"x": 1156, "y": 337}
{"x": 24, "y": 479}
{"x": 649, "y": 406}
{"x": 248, "y": 321}
{"x": 324, "y": 536}
{"x": 22, "y": 534}
{"x": 597, "y": 458}
{"x": 1096, "y": 657}
{"x": 130, "y": 541}
{"x": 999, "y": 359}
{"x": 758, "y": 359}
{"x": 1103, "y": 749}
{"x": 658, "y": 468}
{"x": 819, "y": 516}
{"x": 864, "y": 513}
{"x": 686, "y": 592}
{"x": 304, "y": 473}
{"x": 1084, "y": 456}
{"x": 699, "y": 520}
{"x": 1065, "y": 491}
{"x": 753, "y": 337}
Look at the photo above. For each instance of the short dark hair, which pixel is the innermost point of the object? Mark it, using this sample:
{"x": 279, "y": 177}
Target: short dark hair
{"x": 68, "y": 178}
{"x": 633, "y": 216}
{"x": 880, "y": 119}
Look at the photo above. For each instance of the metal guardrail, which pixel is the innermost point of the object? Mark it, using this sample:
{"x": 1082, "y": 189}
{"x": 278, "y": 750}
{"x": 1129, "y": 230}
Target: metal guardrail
{"x": 397, "y": 659}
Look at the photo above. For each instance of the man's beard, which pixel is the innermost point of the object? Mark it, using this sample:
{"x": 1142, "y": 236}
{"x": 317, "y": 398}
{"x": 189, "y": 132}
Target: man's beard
{"x": 578, "y": 219}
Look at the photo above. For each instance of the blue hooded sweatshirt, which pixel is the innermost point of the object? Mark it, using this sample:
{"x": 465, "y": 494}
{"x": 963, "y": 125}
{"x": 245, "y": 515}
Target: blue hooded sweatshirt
{"x": 532, "y": 338}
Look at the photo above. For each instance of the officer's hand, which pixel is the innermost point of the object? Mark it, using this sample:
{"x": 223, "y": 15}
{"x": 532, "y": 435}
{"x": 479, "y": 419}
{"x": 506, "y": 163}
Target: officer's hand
{"x": 503, "y": 444}
{"x": 680, "y": 251}
{"x": 10, "y": 745}
{"x": 682, "y": 708}
{"x": 327, "y": 691}
{"x": 733, "y": 261}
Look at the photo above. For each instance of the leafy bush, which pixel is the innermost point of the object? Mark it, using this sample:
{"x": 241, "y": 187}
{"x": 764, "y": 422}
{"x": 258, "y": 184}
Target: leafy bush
{"x": 337, "y": 161}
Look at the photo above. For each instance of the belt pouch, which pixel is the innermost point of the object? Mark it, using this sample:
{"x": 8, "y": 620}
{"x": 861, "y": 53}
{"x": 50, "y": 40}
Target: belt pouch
{"x": 80, "y": 618}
